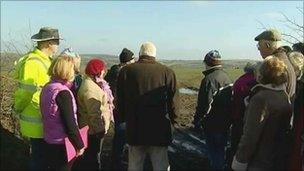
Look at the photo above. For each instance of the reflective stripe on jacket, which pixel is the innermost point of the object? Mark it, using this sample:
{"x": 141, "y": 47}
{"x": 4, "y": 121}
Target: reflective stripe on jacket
{"x": 31, "y": 74}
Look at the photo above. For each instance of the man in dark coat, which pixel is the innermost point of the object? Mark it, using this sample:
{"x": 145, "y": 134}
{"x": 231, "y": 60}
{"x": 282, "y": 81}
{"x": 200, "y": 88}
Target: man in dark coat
{"x": 126, "y": 57}
{"x": 146, "y": 93}
{"x": 212, "y": 111}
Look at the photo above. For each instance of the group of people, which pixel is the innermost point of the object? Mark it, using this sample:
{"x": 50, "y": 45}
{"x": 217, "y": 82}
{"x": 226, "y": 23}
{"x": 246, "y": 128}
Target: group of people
{"x": 54, "y": 101}
{"x": 261, "y": 113}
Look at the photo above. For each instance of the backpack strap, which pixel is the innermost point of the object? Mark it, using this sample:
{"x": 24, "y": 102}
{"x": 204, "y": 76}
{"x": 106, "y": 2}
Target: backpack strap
{"x": 214, "y": 94}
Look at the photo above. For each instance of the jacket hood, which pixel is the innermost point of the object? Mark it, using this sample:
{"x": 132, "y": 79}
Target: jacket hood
{"x": 270, "y": 87}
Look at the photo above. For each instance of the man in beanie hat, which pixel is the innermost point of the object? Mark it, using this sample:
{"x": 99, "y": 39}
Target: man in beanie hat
{"x": 269, "y": 44}
{"x": 146, "y": 94}
{"x": 31, "y": 74}
{"x": 211, "y": 115}
{"x": 126, "y": 57}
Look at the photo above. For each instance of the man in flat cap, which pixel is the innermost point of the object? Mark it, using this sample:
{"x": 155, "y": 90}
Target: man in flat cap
{"x": 126, "y": 57}
{"x": 31, "y": 73}
{"x": 269, "y": 44}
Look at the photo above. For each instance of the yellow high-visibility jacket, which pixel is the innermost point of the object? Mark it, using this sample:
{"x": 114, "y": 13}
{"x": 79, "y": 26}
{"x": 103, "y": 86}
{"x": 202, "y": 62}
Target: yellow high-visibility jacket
{"x": 31, "y": 74}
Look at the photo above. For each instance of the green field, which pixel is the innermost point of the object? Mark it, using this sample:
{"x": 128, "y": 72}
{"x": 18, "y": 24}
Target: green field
{"x": 191, "y": 76}
{"x": 188, "y": 72}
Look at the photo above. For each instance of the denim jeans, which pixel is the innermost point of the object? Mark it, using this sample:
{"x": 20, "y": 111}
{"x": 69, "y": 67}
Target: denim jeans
{"x": 38, "y": 157}
{"x": 216, "y": 143}
{"x": 119, "y": 141}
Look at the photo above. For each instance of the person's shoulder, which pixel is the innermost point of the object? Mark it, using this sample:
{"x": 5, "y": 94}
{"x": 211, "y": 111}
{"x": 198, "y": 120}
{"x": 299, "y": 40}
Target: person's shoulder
{"x": 168, "y": 69}
{"x": 216, "y": 74}
{"x": 115, "y": 67}
{"x": 125, "y": 68}
{"x": 259, "y": 94}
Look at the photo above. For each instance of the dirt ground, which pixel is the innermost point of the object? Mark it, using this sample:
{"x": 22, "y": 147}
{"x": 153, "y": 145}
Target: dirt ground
{"x": 187, "y": 151}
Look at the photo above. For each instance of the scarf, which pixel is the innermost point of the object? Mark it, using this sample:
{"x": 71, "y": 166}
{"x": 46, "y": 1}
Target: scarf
{"x": 103, "y": 84}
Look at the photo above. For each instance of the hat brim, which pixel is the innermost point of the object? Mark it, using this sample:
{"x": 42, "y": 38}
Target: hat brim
{"x": 257, "y": 39}
{"x": 37, "y": 39}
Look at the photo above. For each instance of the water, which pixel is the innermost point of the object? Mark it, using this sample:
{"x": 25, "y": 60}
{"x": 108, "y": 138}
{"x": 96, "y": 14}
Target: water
{"x": 187, "y": 91}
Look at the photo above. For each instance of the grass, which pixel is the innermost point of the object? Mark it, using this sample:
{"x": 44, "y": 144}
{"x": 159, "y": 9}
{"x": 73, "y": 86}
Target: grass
{"x": 192, "y": 76}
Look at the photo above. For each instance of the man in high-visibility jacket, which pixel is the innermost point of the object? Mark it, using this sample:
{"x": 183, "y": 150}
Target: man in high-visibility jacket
{"x": 31, "y": 72}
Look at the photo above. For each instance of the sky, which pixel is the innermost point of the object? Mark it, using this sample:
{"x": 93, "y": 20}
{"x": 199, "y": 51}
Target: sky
{"x": 179, "y": 29}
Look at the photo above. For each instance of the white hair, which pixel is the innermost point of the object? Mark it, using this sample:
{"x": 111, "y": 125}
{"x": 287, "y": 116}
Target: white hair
{"x": 274, "y": 44}
{"x": 147, "y": 48}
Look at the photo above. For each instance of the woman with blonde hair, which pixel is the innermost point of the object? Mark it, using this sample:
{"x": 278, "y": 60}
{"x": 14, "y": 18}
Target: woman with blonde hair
{"x": 267, "y": 117}
{"x": 58, "y": 109}
{"x": 95, "y": 102}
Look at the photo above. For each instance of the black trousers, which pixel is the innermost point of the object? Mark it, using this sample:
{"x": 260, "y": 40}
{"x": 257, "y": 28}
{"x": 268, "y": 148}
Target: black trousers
{"x": 38, "y": 155}
{"x": 56, "y": 157}
{"x": 91, "y": 156}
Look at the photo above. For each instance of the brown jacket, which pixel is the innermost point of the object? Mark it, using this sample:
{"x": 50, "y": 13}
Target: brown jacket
{"x": 267, "y": 118}
{"x": 93, "y": 107}
{"x": 146, "y": 94}
{"x": 292, "y": 78}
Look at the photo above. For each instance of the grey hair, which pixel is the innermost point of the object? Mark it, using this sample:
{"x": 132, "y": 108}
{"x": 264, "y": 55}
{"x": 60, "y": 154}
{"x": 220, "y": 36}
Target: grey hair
{"x": 297, "y": 61}
{"x": 274, "y": 44}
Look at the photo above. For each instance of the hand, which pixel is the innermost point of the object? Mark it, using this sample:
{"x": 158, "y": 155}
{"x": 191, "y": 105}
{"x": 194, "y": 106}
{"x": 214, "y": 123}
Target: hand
{"x": 79, "y": 152}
